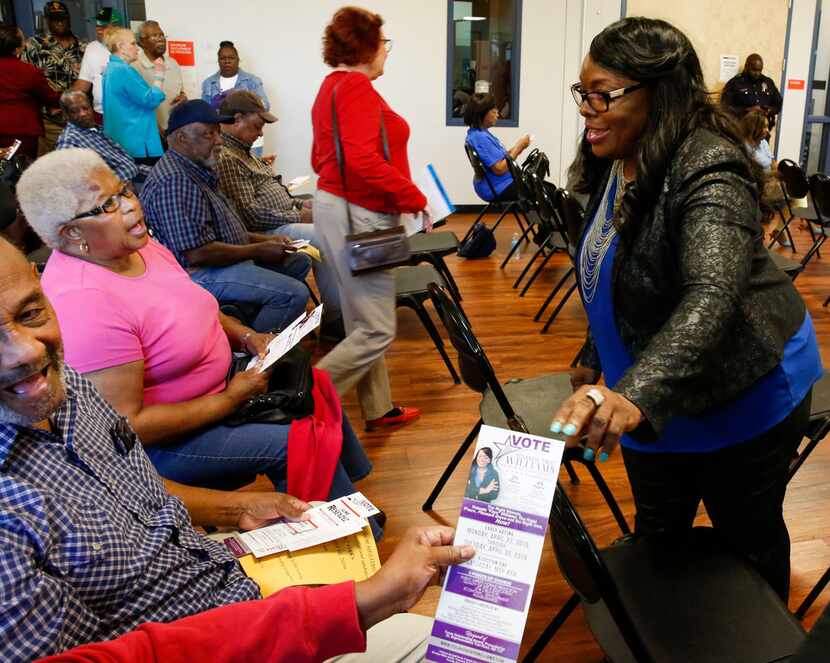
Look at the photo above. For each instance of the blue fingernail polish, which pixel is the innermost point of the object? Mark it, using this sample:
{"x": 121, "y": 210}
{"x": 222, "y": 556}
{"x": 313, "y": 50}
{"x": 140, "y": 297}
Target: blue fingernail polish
{"x": 603, "y": 457}
{"x": 556, "y": 427}
{"x": 569, "y": 429}
{"x": 588, "y": 454}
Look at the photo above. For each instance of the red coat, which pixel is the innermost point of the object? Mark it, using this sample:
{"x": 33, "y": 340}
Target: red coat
{"x": 295, "y": 625}
{"x": 23, "y": 91}
{"x": 371, "y": 181}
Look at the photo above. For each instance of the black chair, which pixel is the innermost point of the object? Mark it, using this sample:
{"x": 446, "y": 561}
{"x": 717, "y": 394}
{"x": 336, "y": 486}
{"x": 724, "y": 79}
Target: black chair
{"x": 570, "y": 213}
{"x": 433, "y": 247}
{"x": 668, "y": 598}
{"x": 504, "y": 206}
{"x": 412, "y": 290}
{"x": 794, "y": 184}
{"x": 551, "y": 237}
{"x": 534, "y": 401}
{"x": 819, "y": 423}
{"x": 526, "y": 199}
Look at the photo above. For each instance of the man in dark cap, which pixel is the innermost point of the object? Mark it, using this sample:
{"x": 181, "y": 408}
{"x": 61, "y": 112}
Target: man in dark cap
{"x": 58, "y": 55}
{"x": 752, "y": 91}
{"x": 191, "y": 217}
{"x": 96, "y": 58}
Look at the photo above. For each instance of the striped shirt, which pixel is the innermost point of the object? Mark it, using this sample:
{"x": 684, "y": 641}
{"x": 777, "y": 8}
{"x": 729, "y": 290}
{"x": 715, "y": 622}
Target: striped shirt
{"x": 121, "y": 163}
{"x": 91, "y": 545}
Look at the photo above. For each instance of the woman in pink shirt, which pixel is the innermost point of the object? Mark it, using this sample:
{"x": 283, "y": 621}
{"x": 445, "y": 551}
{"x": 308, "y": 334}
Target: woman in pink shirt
{"x": 153, "y": 342}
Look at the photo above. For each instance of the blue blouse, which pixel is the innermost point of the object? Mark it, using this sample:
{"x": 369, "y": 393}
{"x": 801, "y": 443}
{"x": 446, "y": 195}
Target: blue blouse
{"x": 491, "y": 151}
{"x": 762, "y": 406}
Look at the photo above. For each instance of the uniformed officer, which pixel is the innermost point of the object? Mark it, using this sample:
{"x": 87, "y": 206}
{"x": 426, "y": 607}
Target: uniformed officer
{"x": 752, "y": 91}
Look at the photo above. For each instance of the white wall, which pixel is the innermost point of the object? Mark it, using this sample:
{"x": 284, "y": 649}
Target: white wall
{"x": 281, "y": 43}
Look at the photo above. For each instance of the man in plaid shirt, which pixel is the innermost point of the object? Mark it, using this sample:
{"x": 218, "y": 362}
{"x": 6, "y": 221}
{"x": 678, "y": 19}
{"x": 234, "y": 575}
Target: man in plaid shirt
{"x": 58, "y": 55}
{"x": 262, "y": 200}
{"x": 191, "y": 217}
{"x": 81, "y": 131}
{"x": 93, "y": 542}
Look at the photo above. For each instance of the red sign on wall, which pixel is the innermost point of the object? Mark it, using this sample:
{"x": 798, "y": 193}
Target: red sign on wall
{"x": 795, "y": 84}
{"x": 182, "y": 52}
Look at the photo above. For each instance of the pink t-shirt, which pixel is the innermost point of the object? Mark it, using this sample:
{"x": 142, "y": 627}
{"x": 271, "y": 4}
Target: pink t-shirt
{"x": 161, "y": 317}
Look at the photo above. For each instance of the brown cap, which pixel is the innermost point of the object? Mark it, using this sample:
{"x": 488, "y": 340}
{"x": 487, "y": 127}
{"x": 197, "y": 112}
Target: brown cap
{"x": 243, "y": 101}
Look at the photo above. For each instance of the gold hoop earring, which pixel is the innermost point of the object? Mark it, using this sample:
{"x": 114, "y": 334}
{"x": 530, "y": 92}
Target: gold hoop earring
{"x": 84, "y": 246}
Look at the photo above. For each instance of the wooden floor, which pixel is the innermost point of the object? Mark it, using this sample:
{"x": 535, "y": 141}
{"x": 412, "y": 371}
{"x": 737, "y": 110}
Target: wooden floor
{"x": 408, "y": 461}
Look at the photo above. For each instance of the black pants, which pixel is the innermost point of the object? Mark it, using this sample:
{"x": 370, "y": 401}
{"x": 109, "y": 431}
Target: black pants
{"x": 742, "y": 488}
{"x": 508, "y": 194}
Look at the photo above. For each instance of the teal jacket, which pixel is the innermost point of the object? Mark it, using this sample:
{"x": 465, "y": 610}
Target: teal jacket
{"x": 130, "y": 110}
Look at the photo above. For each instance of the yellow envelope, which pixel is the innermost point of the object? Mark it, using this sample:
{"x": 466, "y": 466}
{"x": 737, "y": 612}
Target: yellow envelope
{"x": 353, "y": 557}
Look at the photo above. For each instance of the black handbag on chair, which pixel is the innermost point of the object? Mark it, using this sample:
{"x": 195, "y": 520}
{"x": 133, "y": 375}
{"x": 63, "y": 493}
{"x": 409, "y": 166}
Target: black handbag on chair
{"x": 377, "y": 249}
{"x": 289, "y": 394}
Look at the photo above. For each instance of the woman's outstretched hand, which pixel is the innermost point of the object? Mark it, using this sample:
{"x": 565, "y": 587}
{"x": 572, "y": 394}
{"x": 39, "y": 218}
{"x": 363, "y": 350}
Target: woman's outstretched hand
{"x": 601, "y": 414}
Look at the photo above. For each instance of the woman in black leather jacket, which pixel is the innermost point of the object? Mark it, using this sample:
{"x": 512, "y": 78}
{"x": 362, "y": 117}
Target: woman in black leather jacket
{"x": 706, "y": 348}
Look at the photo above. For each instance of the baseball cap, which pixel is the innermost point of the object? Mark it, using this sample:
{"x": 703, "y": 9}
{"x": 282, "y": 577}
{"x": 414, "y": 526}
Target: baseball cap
{"x": 55, "y": 9}
{"x": 244, "y": 101}
{"x": 107, "y": 16}
{"x": 194, "y": 110}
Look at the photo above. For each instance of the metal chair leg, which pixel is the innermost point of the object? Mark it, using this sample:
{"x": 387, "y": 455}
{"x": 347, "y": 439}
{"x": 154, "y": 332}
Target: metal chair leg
{"x": 596, "y": 475}
{"x": 503, "y": 214}
{"x": 826, "y": 301}
{"x": 813, "y": 595}
{"x": 572, "y": 475}
{"x": 815, "y": 438}
{"x": 456, "y": 459}
{"x": 552, "y": 294}
{"x": 429, "y": 325}
{"x": 551, "y": 629}
{"x": 536, "y": 254}
{"x": 538, "y": 270}
{"x": 479, "y": 218}
{"x": 559, "y": 306}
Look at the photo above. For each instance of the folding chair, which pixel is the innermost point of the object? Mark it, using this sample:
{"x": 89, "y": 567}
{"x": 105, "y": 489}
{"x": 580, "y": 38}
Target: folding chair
{"x": 411, "y": 291}
{"x": 550, "y": 225}
{"x": 793, "y": 184}
{"x": 534, "y": 400}
{"x": 505, "y": 206}
{"x": 433, "y": 247}
{"x": 570, "y": 214}
{"x": 668, "y": 598}
{"x": 526, "y": 199}
{"x": 807, "y": 603}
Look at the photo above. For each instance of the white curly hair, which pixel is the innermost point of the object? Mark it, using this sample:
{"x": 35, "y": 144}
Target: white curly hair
{"x": 55, "y": 188}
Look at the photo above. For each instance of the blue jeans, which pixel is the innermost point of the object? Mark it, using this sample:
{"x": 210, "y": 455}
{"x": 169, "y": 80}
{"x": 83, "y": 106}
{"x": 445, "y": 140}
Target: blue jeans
{"x": 229, "y": 457}
{"x": 324, "y": 273}
{"x": 280, "y": 296}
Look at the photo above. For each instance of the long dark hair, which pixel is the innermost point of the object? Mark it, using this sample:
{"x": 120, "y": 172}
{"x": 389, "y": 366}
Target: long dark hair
{"x": 659, "y": 55}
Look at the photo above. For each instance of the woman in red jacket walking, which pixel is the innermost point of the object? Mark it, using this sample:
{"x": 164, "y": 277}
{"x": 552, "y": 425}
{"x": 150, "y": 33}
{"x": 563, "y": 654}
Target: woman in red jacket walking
{"x": 378, "y": 189}
{"x": 23, "y": 91}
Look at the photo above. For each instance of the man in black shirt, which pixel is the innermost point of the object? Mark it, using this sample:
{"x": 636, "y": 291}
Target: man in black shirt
{"x": 752, "y": 91}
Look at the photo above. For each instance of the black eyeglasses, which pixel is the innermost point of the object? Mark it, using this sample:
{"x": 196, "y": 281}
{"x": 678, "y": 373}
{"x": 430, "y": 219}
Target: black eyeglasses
{"x": 600, "y": 101}
{"x": 387, "y": 44}
{"x": 110, "y": 205}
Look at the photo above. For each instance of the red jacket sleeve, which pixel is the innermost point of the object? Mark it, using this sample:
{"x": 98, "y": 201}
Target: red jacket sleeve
{"x": 358, "y": 113}
{"x": 295, "y": 625}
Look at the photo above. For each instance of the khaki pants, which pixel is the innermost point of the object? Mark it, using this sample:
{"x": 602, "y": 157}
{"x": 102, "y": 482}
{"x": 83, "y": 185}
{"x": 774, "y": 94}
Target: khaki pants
{"x": 368, "y": 303}
{"x": 51, "y": 131}
{"x": 399, "y": 639}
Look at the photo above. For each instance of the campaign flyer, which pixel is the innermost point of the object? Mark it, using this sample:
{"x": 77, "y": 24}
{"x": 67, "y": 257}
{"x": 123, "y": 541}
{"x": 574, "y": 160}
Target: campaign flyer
{"x": 484, "y": 602}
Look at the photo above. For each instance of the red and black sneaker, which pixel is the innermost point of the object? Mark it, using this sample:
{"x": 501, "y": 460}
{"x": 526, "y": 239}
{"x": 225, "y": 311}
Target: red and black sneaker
{"x": 395, "y": 416}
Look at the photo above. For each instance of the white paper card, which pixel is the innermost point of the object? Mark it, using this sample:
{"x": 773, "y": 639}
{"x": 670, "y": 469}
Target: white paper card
{"x": 431, "y": 186}
{"x": 728, "y": 67}
{"x": 297, "y": 182}
{"x": 326, "y": 522}
{"x": 288, "y": 338}
{"x": 504, "y": 514}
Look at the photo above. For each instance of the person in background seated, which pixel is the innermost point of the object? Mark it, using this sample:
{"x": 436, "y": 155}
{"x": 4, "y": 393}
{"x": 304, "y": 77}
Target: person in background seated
{"x": 755, "y": 130}
{"x": 154, "y": 65}
{"x": 752, "y": 91}
{"x": 154, "y": 343}
{"x": 326, "y": 621}
{"x": 95, "y": 61}
{"x": 262, "y": 200}
{"x": 229, "y": 78}
{"x": 481, "y": 116}
{"x": 58, "y": 55}
{"x": 708, "y": 352}
{"x": 81, "y": 131}
{"x": 379, "y": 189}
{"x": 24, "y": 91}
{"x": 193, "y": 219}
{"x": 116, "y": 548}
{"x": 129, "y": 102}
